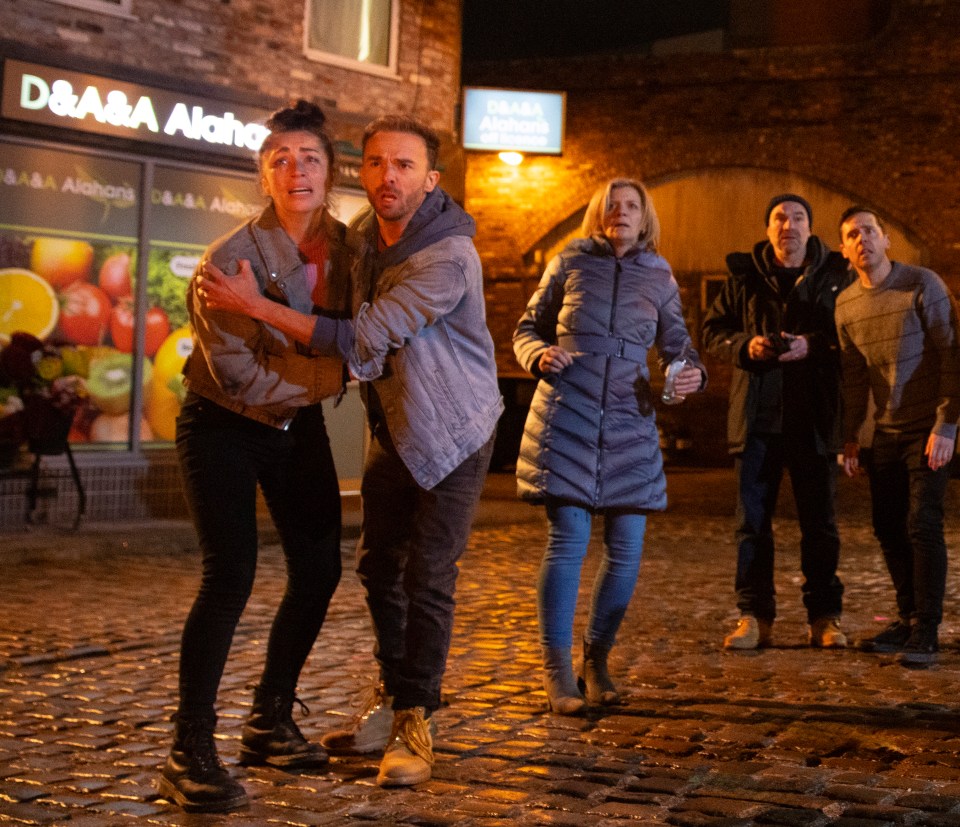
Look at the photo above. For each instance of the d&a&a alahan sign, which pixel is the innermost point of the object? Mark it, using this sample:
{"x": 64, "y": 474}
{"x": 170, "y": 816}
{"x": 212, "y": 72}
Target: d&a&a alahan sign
{"x": 89, "y": 103}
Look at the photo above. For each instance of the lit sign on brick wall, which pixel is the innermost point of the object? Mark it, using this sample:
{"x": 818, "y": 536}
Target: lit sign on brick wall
{"x": 89, "y": 103}
{"x": 504, "y": 119}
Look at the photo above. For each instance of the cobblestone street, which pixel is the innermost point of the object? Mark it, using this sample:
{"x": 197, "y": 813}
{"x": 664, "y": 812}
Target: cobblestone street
{"x": 89, "y": 637}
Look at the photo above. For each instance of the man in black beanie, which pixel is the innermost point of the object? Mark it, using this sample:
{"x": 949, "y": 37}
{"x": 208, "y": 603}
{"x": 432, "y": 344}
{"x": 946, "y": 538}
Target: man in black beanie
{"x": 773, "y": 323}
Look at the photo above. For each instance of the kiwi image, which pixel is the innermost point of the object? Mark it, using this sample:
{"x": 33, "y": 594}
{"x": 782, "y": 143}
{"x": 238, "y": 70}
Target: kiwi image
{"x": 109, "y": 382}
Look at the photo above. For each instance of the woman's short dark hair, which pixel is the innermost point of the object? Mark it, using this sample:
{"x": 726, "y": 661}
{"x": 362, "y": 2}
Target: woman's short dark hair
{"x": 403, "y": 123}
{"x": 301, "y": 116}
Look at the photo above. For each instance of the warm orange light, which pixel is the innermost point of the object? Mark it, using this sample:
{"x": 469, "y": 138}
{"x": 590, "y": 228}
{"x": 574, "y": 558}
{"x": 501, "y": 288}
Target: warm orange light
{"x": 512, "y": 158}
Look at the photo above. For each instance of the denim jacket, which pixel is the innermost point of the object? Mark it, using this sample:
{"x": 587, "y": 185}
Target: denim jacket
{"x": 422, "y": 339}
{"x": 250, "y": 367}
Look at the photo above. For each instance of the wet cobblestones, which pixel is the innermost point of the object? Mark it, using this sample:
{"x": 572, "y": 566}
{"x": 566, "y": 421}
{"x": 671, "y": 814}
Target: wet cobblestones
{"x": 89, "y": 637}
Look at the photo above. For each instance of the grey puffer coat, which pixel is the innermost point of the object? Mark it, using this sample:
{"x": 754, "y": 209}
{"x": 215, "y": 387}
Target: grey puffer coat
{"x": 591, "y": 436}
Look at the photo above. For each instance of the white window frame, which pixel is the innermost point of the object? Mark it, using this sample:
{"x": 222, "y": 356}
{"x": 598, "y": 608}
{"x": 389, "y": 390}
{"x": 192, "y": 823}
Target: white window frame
{"x": 389, "y": 70}
{"x": 117, "y": 8}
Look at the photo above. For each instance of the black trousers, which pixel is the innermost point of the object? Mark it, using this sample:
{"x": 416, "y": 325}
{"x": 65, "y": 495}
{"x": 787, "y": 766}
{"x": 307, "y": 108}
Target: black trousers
{"x": 223, "y": 457}
{"x": 407, "y": 561}
{"x": 813, "y": 477}
{"x": 907, "y": 499}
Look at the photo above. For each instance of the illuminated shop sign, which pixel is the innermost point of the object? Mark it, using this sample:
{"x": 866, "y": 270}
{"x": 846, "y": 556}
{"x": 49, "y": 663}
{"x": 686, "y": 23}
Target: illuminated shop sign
{"x": 72, "y": 100}
{"x": 504, "y": 119}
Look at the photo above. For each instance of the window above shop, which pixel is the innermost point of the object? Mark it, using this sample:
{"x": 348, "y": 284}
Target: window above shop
{"x": 356, "y": 34}
{"x": 120, "y": 8}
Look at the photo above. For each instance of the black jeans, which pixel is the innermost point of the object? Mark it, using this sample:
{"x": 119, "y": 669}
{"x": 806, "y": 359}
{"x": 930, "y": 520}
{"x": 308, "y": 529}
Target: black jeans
{"x": 814, "y": 480}
{"x": 223, "y": 456}
{"x": 407, "y": 561}
{"x": 907, "y": 499}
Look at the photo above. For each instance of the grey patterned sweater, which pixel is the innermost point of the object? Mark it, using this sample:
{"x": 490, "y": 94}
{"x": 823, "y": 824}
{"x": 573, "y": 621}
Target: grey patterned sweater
{"x": 899, "y": 341}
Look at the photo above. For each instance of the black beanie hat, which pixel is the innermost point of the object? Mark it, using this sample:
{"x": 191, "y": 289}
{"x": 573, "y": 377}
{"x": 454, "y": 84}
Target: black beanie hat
{"x": 788, "y": 196}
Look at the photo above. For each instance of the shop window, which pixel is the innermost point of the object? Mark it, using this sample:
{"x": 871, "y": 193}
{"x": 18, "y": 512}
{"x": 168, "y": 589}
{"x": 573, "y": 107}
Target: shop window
{"x": 69, "y": 259}
{"x": 121, "y": 8}
{"x": 358, "y": 34}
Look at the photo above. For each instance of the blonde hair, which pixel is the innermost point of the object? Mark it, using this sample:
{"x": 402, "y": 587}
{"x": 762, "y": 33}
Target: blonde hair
{"x": 600, "y": 203}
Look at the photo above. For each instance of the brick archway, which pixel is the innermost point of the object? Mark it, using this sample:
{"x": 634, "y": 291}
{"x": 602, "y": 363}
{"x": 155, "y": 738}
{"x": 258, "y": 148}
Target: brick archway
{"x": 707, "y": 213}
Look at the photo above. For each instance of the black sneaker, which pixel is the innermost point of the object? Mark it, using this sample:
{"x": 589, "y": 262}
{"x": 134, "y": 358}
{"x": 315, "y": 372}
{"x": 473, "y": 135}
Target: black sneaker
{"x": 891, "y": 639}
{"x": 922, "y": 647}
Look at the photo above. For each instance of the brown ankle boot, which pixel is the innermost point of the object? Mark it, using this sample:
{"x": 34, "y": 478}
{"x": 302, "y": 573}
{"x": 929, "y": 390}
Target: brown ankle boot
{"x": 562, "y": 693}
{"x": 595, "y": 681}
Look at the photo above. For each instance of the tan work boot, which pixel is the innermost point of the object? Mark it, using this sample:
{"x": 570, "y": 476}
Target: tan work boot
{"x": 409, "y": 756}
{"x": 370, "y": 729}
{"x": 750, "y": 633}
{"x": 825, "y": 633}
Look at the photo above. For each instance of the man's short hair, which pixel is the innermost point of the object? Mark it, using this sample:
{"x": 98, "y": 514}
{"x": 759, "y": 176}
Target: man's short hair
{"x": 788, "y": 196}
{"x": 403, "y": 123}
{"x": 851, "y": 211}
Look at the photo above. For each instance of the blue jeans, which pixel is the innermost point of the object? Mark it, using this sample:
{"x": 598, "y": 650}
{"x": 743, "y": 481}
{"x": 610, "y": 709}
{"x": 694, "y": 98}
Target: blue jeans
{"x": 559, "y": 580}
{"x": 907, "y": 499}
{"x": 223, "y": 457}
{"x": 813, "y": 476}
{"x": 407, "y": 561}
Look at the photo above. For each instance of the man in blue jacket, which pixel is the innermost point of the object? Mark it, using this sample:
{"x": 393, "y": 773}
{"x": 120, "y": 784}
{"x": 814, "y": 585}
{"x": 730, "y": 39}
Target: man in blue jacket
{"x": 420, "y": 345}
{"x": 773, "y": 324}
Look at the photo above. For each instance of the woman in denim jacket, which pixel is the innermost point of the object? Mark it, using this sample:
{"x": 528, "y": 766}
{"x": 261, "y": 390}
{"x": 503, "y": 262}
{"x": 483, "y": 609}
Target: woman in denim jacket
{"x": 253, "y": 416}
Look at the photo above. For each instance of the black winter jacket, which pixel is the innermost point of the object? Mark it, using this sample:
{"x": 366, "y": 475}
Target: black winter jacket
{"x": 749, "y": 305}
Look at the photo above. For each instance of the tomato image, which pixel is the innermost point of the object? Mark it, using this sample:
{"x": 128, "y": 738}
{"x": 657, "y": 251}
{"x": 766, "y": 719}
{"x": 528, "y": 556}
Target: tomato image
{"x": 84, "y": 313}
{"x": 114, "y": 278}
{"x": 158, "y": 328}
{"x": 121, "y": 327}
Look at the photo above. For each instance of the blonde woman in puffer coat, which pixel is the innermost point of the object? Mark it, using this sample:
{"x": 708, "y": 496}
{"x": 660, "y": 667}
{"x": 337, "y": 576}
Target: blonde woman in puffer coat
{"x": 590, "y": 443}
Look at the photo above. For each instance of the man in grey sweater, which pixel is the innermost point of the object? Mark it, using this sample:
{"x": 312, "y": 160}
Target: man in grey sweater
{"x": 898, "y": 332}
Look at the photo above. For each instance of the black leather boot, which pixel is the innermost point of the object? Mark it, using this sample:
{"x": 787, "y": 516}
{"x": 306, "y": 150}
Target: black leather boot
{"x": 271, "y": 737}
{"x": 194, "y": 776}
{"x": 595, "y": 682}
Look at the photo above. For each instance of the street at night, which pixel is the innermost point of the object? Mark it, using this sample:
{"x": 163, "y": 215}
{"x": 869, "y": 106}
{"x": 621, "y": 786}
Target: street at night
{"x": 787, "y": 735}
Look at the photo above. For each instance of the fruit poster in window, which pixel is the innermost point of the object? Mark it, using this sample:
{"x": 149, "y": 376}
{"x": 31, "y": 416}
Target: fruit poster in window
{"x": 68, "y": 263}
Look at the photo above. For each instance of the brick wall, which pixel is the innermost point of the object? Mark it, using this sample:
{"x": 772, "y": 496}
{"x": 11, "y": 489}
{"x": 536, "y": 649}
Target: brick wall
{"x": 252, "y": 48}
{"x": 877, "y": 121}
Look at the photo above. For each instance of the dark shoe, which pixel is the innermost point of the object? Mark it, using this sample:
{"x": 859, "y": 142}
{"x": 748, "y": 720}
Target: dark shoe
{"x": 272, "y": 738}
{"x": 563, "y": 694}
{"x": 408, "y": 758}
{"x": 595, "y": 682}
{"x": 891, "y": 639}
{"x": 922, "y": 647}
{"x": 370, "y": 729}
{"x": 194, "y": 777}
